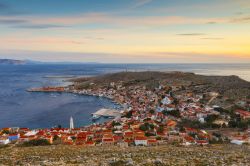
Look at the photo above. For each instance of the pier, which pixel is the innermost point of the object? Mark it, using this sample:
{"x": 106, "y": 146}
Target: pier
{"x": 47, "y": 89}
{"x": 107, "y": 113}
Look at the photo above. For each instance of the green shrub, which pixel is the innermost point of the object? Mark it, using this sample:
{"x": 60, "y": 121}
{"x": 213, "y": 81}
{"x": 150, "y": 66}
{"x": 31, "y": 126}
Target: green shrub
{"x": 38, "y": 142}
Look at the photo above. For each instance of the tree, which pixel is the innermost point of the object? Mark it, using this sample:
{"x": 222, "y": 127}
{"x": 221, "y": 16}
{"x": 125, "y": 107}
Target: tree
{"x": 55, "y": 138}
{"x": 5, "y": 132}
{"x": 128, "y": 114}
{"x": 143, "y": 127}
{"x": 114, "y": 123}
{"x": 151, "y": 126}
{"x": 152, "y": 111}
{"x": 211, "y": 118}
{"x": 175, "y": 113}
{"x": 182, "y": 129}
{"x": 160, "y": 129}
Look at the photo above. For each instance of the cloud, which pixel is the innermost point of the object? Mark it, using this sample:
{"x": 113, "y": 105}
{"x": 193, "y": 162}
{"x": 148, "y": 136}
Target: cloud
{"x": 12, "y": 21}
{"x": 48, "y": 40}
{"x": 240, "y": 20}
{"x": 19, "y": 22}
{"x": 191, "y": 34}
{"x": 211, "y": 22}
{"x": 212, "y": 38}
{"x": 103, "y": 18}
{"x": 103, "y": 57}
{"x": 7, "y": 10}
{"x": 37, "y": 22}
{"x": 139, "y": 3}
{"x": 39, "y": 26}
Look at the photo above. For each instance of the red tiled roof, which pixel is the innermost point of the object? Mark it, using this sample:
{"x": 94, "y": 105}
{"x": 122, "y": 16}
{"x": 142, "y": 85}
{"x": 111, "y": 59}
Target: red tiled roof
{"x": 243, "y": 112}
{"x": 188, "y": 138}
{"x": 141, "y": 138}
{"x": 107, "y": 140}
{"x": 89, "y": 143}
{"x": 201, "y": 141}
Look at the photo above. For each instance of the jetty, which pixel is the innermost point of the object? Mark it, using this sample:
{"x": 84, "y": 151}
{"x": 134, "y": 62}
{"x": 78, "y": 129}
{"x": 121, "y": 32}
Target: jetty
{"x": 47, "y": 89}
{"x": 107, "y": 113}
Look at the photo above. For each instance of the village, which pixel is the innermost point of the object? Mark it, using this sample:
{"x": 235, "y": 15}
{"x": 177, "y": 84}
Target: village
{"x": 150, "y": 117}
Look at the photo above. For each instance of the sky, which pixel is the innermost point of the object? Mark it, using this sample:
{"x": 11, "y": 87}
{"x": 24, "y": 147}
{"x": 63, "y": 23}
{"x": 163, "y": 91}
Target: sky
{"x": 126, "y": 31}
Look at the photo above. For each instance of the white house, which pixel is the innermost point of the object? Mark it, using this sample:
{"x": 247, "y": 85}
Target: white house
{"x": 141, "y": 141}
{"x": 4, "y": 140}
{"x": 237, "y": 142}
{"x": 166, "y": 101}
{"x": 31, "y": 133}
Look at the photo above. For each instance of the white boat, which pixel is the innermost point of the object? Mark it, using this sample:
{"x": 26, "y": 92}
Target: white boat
{"x": 95, "y": 117}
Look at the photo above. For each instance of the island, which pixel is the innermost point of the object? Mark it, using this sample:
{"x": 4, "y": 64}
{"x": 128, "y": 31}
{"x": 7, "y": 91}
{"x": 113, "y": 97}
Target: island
{"x": 164, "y": 115}
{"x": 12, "y": 62}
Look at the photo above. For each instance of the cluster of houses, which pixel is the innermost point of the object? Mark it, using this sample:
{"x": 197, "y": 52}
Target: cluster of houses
{"x": 145, "y": 121}
{"x": 111, "y": 133}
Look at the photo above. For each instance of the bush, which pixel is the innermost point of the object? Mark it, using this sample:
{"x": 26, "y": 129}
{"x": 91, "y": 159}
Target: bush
{"x": 143, "y": 127}
{"x": 3, "y": 146}
{"x": 175, "y": 113}
{"x": 128, "y": 114}
{"x": 114, "y": 123}
{"x": 39, "y": 142}
{"x": 5, "y": 132}
{"x": 152, "y": 111}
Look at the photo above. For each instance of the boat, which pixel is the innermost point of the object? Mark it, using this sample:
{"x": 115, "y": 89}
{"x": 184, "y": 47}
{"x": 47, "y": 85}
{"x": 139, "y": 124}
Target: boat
{"x": 95, "y": 117}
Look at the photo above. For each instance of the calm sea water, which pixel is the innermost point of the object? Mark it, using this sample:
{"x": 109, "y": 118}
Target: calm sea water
{"x": 41, "y": 110}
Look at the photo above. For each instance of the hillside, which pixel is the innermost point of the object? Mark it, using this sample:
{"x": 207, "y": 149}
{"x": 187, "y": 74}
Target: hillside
{"x": 116, "y": 156}
{"x": 230, "y": 86}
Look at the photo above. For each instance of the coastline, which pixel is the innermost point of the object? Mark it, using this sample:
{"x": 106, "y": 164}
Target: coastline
{"x": 158, "y": 108}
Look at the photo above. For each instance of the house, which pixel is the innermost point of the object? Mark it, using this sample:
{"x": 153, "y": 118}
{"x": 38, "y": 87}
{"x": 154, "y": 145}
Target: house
{"x": 171, "y": 124}
{"x": 89, "y": 143}
{"x": 174, "y": 138}
{"x": 166, "y": 100}
{"x": 188, "y": 140}
{"x": 49, "y": 138}
{"x": 4, "y": 140}
{"x": 14, "y": 137}
{"x": 24, "y": 138}
{"x": 152, "y": 141}
{"x": 202, "y": 142}
{"x": 122, "y": 144}
{"x": 108, "y": 141}
{"x": 243, "y": 114}
{"x": 237, "y": 142}
{"x": 128, "y": 135}
{"x": 141, "y": 141}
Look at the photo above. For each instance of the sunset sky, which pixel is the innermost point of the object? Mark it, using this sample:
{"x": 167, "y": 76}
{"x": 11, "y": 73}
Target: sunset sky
{"x": 126, "y": 31}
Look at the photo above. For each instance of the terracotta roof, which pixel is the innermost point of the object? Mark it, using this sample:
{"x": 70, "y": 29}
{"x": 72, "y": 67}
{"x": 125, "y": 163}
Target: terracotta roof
{"x": 140, "y": 138}
{"x": 243, "y": 112}
{"x": 152, "y": 141}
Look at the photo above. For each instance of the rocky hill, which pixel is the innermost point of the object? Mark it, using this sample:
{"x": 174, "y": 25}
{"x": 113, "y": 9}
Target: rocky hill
{"x": 11, "y": 62}
{"x": 116, "y": 156}
{"x": 230, "y": 86}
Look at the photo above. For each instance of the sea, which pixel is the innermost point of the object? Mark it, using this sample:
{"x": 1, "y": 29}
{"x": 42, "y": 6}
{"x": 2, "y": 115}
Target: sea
{"x": 19, "y": 108}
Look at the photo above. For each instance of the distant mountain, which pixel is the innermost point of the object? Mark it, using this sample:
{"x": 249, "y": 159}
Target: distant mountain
{"x": 24, "y": 62}
{"x": 12, "y": 62}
